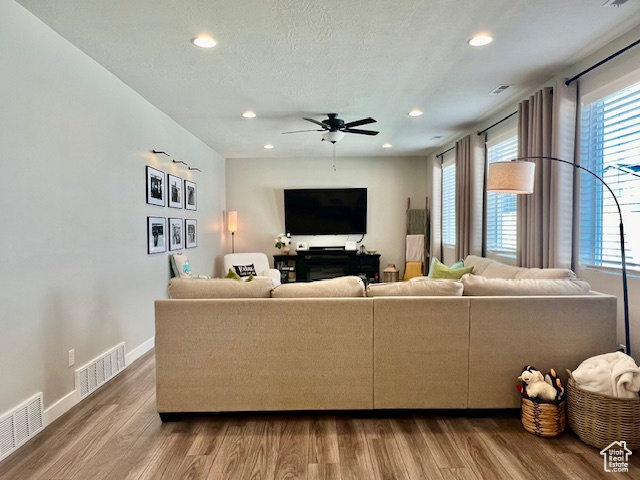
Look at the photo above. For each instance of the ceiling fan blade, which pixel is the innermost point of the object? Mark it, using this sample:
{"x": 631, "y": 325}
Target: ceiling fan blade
{"x": 299, "y": 131}
{"x": 326, "y": 127}
{"x": 362, "y": 132}
{"x": 357, "y": 123}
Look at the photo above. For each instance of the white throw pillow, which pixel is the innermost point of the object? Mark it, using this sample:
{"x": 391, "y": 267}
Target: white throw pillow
{"x": 182, "y": 267}
{"x": 475, "y": 285}
{"x": 549, "y": 273}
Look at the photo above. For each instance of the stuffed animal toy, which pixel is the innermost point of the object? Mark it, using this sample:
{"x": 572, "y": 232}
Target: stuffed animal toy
{"x": 536, "y": 386}
{"x": 552, "y": 379}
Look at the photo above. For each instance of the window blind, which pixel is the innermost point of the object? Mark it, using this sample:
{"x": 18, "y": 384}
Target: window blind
{"x": 610, "y": 147}
{"x": 501, "y": 207}
{"x": 449, "y": 204}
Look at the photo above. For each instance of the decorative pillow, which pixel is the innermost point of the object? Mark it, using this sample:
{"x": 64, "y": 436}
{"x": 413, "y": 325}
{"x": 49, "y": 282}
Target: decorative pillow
{"x": 181, "y": 266}
{"x": 425, "y": 288}
{"x": 245, "y": 270}
{"x": 435, "y": 261}
{"x": 335, "y": 287}
{"x": 479, "y": 285}
{"x": 440, "y": 270}
{"x": 234, "y": 276}
{"x": 219, "y": 288}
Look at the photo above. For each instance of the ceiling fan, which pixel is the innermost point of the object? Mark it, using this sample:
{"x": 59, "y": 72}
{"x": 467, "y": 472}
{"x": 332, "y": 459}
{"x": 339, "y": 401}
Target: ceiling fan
{"x": 335, "y": 128}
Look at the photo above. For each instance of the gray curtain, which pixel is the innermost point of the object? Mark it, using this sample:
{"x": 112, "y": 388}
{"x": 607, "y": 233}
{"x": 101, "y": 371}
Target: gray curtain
{"x": 436, "y": 209}
{"x": 546, "y": 127}
{"x": 470, "y": 161}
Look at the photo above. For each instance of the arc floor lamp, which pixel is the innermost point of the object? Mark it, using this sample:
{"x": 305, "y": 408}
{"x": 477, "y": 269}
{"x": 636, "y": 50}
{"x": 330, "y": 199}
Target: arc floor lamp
{"x": 517, "y": 176}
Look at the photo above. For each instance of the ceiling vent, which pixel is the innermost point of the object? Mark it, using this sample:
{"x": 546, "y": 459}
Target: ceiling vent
{"x": 499, "y": 89}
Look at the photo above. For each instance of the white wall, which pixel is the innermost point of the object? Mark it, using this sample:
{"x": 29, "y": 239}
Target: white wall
{"x": 255, "y": 189}
{"x": 74, "y": 142}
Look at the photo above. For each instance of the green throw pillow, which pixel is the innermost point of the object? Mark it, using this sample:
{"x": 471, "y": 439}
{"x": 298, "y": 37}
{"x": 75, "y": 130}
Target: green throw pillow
{"x": 440, "y": 270}
{"x": 235, "y": 276}
{"x": 458, "y": 264}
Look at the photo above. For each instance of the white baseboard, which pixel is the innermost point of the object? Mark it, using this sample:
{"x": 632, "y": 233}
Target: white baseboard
{"x": 72, "y": 398}
{"x": 61, "y": 407}
{"x": 140, "y": 350}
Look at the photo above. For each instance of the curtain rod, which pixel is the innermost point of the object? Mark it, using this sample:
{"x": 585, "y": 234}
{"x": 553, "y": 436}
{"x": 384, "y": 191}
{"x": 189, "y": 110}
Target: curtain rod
{"x": 446, "y": 151}
{"x": 601, "y": 62}
{"x": 497, "y": 123}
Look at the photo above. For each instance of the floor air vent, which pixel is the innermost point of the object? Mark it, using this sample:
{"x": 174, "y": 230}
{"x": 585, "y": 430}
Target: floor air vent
{"x": 20, "y": 424}
{"x": 100, "y": 370}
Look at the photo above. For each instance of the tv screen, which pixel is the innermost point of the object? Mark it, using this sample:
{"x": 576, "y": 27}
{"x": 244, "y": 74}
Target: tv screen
{"x": 325, "y": 211}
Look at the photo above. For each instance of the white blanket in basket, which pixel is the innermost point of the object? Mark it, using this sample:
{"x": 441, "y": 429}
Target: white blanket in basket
{"x": 614, "y": 374}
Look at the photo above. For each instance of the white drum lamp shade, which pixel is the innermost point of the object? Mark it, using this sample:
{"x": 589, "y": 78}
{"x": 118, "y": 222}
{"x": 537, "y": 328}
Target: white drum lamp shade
{"x": 511, "y": 177}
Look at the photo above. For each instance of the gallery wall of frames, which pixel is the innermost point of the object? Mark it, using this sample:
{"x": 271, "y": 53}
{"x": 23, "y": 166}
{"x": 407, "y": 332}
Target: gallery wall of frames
{"x": 172, "y": 232}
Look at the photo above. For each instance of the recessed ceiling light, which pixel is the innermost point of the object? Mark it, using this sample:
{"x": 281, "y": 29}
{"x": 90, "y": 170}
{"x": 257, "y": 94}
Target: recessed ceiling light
{"x": 415, "y": 112}
{"x": 387, "y": 145}
{"x": 480, "y": 40}
{"x": 204, "y": 41}
{"x": 249, "y": 114}
{"x": 268, "y": 146}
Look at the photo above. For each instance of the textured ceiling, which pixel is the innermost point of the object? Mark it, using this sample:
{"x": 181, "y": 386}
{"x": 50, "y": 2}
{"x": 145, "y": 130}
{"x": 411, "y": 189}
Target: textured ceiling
{"x": 286, "y": 59}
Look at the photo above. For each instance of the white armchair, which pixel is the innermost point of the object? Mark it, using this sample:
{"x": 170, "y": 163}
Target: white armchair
{"x": 259, "y": 261}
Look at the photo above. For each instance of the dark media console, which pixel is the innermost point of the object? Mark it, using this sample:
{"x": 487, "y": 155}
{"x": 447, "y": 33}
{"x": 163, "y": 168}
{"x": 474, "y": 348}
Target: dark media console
{"x": 323, "y": 263}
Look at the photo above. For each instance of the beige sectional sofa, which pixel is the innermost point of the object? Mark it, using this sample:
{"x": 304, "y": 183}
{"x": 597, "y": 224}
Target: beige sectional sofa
{"x": 382, "y": 352}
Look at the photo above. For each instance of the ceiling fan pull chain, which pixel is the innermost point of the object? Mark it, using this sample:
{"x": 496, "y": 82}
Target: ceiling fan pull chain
{"x": 334, "y": 157}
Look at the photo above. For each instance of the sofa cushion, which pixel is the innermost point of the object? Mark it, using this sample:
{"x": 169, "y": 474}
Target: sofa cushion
{"x": 417, "y": 287}
{"x": 219, "y": 288}
{"x": 440, "y": 270}
{"x": 549, "y": 273}
{"x": 501, "y": 270}
{"x": 479, "y": 264}
{"x": 475, "y": 285}
{"x": 335, "y": 287}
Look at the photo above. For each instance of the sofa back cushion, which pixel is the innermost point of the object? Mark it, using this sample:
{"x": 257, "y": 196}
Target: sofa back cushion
{"x": 335, "y": 287}
{"x": 475, "y": 285}
{"x": 219, "y": 288}
{"x": 549, "y": 273}
{"x": 417, "y": 287}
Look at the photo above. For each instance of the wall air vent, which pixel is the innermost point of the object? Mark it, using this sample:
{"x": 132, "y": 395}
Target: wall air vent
{"x": 20, "y": 425}
{"x": 100, "y": 370}
{"x": 499, "y": 89}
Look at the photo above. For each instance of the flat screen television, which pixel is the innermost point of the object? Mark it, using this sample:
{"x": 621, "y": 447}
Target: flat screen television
{"x": 325, "y": 211}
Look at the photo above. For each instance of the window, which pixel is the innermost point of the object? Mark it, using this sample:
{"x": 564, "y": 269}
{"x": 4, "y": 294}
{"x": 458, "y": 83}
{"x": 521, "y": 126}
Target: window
{"x": 501, "y": 207}
{"x": 449, "y": 204}
{"x": 610, "y": 147}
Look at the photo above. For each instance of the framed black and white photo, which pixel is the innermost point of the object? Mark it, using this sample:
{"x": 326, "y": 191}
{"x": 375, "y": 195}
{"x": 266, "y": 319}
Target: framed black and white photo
{"x": 176, "y": 234}
{"x": 155, "y": 187}
{"x": 190, "y": 195}
{"x": 191, "y": 233}
{"x": 156, "y": 234}
{"x": 174, "y": 191}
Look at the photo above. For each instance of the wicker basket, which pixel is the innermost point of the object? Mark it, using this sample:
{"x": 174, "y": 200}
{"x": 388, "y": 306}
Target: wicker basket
{"x": 600, "y": 419}
{"x": 543, "y": 419}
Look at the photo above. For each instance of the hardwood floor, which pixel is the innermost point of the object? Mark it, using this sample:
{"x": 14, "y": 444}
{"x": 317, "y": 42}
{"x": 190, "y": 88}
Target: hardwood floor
{"x": 117, "y": 434}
